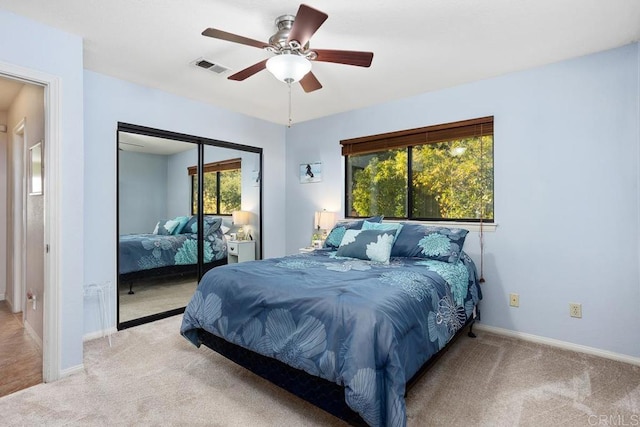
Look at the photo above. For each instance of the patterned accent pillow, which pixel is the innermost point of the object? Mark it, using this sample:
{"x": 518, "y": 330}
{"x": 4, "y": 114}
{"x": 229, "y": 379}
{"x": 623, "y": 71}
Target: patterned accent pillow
{"x": 394, "y": 227}
{"x": 422, "y": 241}
{"x": 165, "y": 227}
{"x": 211, "y": 224}
{"x": 337, "y": 233}
{"x": 372, "y": 245}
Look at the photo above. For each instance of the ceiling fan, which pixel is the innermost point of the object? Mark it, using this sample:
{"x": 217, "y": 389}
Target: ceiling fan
{"x": 290, "y": 44}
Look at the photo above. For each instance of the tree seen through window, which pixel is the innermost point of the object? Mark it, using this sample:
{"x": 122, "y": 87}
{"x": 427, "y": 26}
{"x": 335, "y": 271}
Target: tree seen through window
{"x": 450, "y": 180}
{"x": 222, "y": 192}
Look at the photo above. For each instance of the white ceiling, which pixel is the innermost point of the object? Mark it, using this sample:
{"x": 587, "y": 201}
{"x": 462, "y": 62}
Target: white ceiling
{"x": 149, "y": 144}
{"x": 418, "y": 45}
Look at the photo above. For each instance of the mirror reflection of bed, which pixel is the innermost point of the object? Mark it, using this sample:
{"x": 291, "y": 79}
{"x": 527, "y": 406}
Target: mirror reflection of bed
{"x": 158, "y": 236}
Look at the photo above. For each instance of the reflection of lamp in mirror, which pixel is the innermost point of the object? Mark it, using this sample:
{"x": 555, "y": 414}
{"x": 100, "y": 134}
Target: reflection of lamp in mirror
{"x": 324, "y": 221}
{"x": 242, "y": 219}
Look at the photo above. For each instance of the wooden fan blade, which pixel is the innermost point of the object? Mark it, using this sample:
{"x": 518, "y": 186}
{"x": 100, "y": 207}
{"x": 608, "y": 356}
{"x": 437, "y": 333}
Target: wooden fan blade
{"x": 310, "y": 83}
{"x": 249, "y": 71}
{"x": 307, "y": 22}
{"x": 223, "y": 35}
{"x": 348, "y": 57}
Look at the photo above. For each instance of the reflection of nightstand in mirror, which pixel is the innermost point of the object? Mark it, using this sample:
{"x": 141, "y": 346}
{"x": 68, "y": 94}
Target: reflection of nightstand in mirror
{"x": 241, "y": 251}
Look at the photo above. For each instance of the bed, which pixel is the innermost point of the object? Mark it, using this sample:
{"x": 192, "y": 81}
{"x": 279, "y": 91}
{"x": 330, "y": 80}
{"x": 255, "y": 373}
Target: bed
{"x": 170, "y": 251}
{"x": 363, "y": 324}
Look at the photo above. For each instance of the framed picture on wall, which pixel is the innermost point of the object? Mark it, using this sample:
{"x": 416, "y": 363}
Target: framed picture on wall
{"x": 310, "y": 172}
{"x": 255, "y": 178}
{"x": 35, "y": 169}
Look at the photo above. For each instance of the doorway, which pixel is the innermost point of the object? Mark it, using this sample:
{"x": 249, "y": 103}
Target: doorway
{"x": 46, "y": 297}
{"x": 23, "y": 233}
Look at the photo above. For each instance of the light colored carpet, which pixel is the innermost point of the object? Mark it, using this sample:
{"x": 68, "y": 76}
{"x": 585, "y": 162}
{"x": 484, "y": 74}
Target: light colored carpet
{"x": 153, "y": 376}
{"x": 155, "y": 296}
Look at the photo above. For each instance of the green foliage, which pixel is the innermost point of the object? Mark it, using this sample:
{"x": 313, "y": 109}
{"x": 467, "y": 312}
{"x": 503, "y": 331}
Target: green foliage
{"x": 230, "y": 193}
{"x": 451, "y": 180}
{"x": 381, "y": 187}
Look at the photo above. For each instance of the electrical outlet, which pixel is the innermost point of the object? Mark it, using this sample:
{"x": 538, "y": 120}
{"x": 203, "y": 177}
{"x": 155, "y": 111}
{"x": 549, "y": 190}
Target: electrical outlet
{"x": 575, "y": 309}
{"x": 514, "y": 300}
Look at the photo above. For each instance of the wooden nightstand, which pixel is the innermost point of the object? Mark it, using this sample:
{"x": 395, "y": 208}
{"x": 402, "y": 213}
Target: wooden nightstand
{"x": 241, "y": 251}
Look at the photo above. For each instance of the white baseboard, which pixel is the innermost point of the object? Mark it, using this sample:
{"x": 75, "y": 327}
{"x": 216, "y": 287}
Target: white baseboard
{"x": 99, "y": 334}
{"x": 72, "y": 370}
{"x": 559, "y": 344}
{"x": 33, "y": 334}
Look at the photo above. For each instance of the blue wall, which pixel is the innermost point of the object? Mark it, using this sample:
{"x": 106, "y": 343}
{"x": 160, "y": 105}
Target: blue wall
{"x": 566, "y": 191}
{"x": 109, "y": 101}
{"x": 143, "y": 191}
{"x": 32, "y": 46}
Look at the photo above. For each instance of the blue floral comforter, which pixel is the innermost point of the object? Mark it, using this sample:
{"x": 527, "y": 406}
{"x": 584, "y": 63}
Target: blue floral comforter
{"x": 147, "y": 251}
{"x": 366, "y": 326}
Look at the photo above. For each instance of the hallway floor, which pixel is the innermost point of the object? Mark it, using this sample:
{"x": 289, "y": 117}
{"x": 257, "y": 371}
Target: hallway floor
{"x": 20, "y": 356}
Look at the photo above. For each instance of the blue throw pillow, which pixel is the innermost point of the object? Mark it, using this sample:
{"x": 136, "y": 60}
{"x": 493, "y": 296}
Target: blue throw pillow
{"x": 372, "y": 245}
{"x": 422, "y": 241}
{"x": 165, "y": 227}
{"x": 337, "y": 232}
{"x": 182, "y": 221}
{"x": 395, "y": 227}
{"x": 211, "y": 225}
{"x": 191, "y": 226}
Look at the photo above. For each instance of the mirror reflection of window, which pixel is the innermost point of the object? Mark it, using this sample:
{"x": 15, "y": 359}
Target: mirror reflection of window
{"x": 222, "y": 192}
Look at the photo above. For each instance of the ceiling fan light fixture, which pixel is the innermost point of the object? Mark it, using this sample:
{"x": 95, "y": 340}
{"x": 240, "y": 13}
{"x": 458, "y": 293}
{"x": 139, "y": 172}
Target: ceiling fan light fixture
{"x": 288, "y": 68}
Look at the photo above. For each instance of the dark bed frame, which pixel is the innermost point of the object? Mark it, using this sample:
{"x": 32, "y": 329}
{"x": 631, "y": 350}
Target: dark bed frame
{"x": 324, "y": 394}
{"x": 170, "y": 271}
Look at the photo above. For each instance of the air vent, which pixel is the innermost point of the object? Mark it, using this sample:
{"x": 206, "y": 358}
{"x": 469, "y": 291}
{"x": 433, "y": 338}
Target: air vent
{"x": 208, "y": 65}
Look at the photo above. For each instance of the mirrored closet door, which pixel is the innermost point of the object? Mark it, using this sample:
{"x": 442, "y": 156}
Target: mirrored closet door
{"x": 164, "y": 181}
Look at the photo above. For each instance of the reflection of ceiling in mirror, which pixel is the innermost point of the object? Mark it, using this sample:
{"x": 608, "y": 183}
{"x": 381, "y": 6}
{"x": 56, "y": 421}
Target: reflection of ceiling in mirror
{"x": 151, "y": 144}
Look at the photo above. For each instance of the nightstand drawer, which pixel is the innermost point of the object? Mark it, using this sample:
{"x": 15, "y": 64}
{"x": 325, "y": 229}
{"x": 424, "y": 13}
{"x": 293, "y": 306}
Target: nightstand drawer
{"x": 240, "y": 251}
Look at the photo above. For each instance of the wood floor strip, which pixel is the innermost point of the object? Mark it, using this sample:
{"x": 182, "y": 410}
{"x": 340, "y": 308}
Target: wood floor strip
{"x": 20, "y": 356}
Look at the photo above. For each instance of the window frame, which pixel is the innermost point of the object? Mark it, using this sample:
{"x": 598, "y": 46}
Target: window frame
{"x": 217, "y": 168}
{"x": 407, "y": 139}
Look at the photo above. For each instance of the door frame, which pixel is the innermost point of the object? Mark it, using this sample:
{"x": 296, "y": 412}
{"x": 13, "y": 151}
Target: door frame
{"x": 52, "y": 224}
{"x": 19, "y": 268}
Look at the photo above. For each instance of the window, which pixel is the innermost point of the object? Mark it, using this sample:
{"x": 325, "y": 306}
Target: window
{"x": 222, "y": 187}
{"x": 442, "y": 172}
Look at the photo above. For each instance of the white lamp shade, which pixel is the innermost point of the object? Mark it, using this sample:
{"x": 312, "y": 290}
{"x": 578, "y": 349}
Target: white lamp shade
{"x": 288, "y": 68}
{"x": 325, "y": 220}
{"x": 241, "y": 217}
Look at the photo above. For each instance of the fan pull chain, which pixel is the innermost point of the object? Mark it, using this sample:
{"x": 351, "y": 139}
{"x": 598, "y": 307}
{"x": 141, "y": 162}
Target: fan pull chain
{"x": 289, "y": 84}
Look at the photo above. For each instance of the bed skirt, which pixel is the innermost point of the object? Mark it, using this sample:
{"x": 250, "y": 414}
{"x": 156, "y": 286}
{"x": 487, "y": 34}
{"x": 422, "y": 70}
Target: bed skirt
{"x": 324, "y": 394}
{"x": 170, "y": 271}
